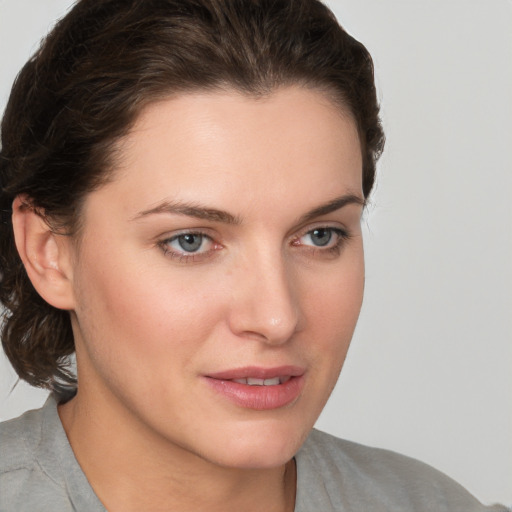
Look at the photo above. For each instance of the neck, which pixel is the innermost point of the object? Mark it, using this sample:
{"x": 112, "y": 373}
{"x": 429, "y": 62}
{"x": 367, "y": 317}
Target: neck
{"x": 132, "y": 468}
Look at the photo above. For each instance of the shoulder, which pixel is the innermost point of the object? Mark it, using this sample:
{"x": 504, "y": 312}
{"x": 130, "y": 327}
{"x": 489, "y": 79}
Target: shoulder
{"x": 19, "y": 439}
{"x": 350, "y": 476}
{"x": 24, "y": 481}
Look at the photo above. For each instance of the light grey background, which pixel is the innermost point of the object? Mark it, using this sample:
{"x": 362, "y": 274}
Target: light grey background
{"x": 429, "y": 373}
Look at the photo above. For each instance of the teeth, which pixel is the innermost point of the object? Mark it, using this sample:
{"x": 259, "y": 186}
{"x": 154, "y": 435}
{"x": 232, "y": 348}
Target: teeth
{"x": 251, "y": 381}
{"x": 255, "y": 382}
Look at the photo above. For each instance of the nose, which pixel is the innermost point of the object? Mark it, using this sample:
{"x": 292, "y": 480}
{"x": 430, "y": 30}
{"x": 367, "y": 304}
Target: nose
{"x": 265, "y": 303}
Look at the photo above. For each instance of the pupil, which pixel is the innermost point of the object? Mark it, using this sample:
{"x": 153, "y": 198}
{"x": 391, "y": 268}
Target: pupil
{"x": 190, "y": 243}
{"x": 321, "y": 237}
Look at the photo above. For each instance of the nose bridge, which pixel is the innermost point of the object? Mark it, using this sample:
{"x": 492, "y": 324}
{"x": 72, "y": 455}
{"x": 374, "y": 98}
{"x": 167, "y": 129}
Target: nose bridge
{"x": 265, "y": 305}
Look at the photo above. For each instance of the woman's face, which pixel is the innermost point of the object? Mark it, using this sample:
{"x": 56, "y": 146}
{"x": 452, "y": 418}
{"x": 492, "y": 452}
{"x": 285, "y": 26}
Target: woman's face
{"x": 219, "y": 275}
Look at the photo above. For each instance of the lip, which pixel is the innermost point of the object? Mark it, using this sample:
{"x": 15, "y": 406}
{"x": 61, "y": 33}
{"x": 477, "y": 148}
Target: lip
{"x": 258, "y": 372}
{"x": 258, "y": 397}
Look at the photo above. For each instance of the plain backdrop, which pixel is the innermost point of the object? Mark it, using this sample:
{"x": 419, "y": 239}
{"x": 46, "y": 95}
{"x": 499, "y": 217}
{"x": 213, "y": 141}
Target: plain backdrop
{"x": 429, "y": 373}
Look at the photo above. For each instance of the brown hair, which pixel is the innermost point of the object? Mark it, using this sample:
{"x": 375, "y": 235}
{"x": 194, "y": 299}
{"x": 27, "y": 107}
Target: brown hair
{"x": 93, "y": 74}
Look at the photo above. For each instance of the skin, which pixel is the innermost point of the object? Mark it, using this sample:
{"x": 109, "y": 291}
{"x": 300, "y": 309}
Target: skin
{"x": 150, "y": 321}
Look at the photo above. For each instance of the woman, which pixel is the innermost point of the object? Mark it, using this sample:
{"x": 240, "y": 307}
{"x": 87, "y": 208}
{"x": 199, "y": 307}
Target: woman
{"x": 186, "y": 181}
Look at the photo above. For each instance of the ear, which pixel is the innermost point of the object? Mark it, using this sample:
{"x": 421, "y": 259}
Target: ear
{"x": 45, "y": 254}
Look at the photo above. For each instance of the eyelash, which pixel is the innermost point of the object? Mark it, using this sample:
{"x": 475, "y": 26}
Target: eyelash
{"x": 191, "y": 257}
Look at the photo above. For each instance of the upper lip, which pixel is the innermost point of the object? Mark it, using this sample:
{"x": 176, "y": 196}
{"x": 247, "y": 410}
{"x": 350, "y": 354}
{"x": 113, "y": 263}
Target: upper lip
{"x": 258, "y": 372}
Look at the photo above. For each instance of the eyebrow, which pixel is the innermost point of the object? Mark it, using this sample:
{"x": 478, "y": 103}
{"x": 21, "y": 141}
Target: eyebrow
{"x": 190, "y": 210}
{"x": 332, "y": 206}
{"x": 214, "y": 215}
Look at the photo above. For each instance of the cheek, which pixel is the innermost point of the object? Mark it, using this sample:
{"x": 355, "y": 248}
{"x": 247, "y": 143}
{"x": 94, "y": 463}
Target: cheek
{"x": 132, "y": 316}
{"x": 332, "y": 310}
{"x": 336, "y": 300}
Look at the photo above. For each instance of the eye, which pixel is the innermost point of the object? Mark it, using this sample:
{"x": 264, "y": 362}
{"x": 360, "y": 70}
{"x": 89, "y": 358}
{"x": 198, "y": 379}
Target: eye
{"x": 188, "y": 246}
{"x": 319, "y": 237}
{"x": 188, "y": 242}
{"x": 323, "y": 237}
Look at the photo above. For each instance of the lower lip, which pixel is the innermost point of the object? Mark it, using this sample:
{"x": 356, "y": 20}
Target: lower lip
{"x": 259, "y": 398}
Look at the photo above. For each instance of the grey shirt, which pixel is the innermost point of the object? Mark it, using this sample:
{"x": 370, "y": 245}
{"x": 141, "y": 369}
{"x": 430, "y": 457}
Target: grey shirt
{"x": 39, "y": 473}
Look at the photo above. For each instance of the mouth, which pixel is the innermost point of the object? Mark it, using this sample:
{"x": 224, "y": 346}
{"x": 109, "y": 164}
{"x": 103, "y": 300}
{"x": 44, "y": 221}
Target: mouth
{"x": 254, "y": 381}
{"x": 256, "y": 375}
{"x": 259, "y": 388}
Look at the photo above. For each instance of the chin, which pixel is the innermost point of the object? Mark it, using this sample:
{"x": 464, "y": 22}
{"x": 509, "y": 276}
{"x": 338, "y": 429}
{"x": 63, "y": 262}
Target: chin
{"x": 259, "y": 446}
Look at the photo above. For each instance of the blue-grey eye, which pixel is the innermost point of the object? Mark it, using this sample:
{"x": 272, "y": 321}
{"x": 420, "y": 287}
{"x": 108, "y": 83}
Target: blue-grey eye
{"x": 321, "y": 236}
{"x": 190, "y": 242}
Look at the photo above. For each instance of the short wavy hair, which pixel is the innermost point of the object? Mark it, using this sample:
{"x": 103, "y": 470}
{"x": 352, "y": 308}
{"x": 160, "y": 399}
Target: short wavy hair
{"x": 90, "y": 79}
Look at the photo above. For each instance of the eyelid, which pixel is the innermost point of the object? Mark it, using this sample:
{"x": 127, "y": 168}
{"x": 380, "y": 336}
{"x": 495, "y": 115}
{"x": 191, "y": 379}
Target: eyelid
{"x": 172, "y": 235}
{"x": 336, "y": 227}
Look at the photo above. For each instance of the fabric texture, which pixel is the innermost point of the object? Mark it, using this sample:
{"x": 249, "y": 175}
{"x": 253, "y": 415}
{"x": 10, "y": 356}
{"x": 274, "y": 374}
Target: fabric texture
{"x": 39, "y": 473}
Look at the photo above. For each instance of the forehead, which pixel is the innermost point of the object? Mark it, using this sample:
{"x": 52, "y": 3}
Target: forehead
{"x": 226, "y": 145}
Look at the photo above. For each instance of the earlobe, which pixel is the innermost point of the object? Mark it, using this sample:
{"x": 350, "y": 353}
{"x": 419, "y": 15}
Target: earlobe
{"x": 44, "y": 253}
